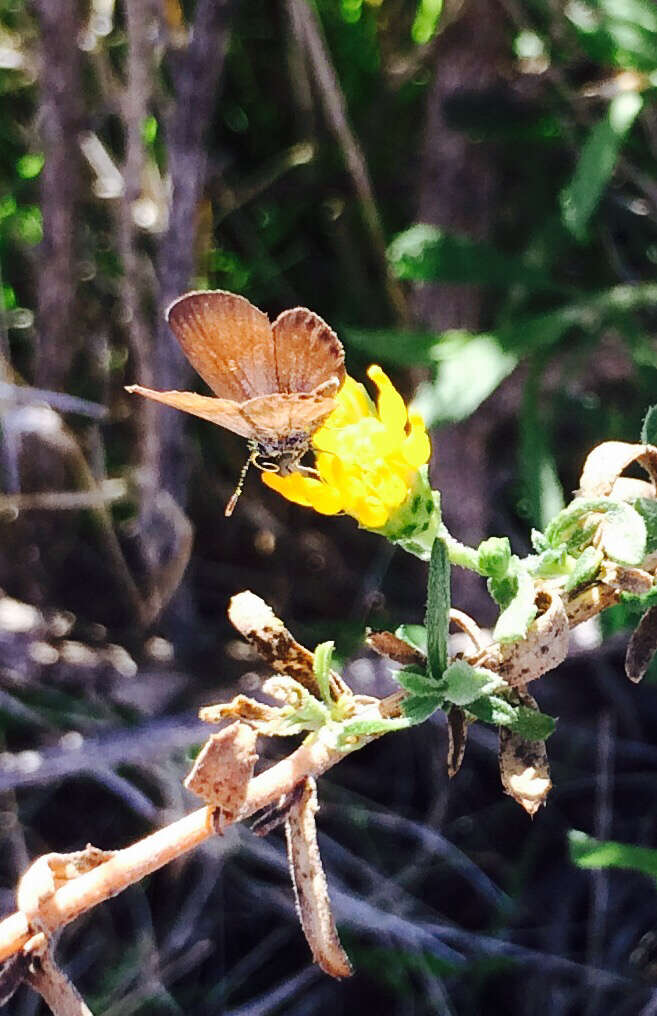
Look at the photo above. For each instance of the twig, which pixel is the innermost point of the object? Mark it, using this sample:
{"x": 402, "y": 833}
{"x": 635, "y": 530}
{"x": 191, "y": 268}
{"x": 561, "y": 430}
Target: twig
{"x": 307, "y": 26}
{"x": 57, "y": 991}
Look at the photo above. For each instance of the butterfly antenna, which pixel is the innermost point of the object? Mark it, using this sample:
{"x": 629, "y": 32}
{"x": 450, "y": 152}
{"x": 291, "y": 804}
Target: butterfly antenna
{"x": 230, "y": 507}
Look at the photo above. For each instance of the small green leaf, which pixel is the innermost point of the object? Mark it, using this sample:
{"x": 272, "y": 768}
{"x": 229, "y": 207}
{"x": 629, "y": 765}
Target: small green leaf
{"x": 624, "y": 534}
{"x": 418, "y": 708}
{"x": 532, "y": 724}
{"x": 513, "y": 622}
{"x": 554, "y": 561}
{"x": 438, "y": 604}
{"x": 649, "y": 427}
{"x": 415, "y": 682}
{"x": 587, "y": 852}
{"x": 647, "y": 509}
{"x": 370, "y": 728}
{"x": 493, "y": 709}
{"x": 463, "y": 684}
{"x": 586, "y": 568}
{"x": 495, "y": 556}
{"x": 415, "y": 635}
{"x": 322, "y": 670}
{"x": 528, "y": 723}
{"x": 596, "y": 164}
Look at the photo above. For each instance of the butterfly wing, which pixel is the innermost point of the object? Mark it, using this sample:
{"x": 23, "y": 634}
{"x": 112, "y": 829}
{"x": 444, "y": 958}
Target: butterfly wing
{"x": 308, "y": 352}
{"x": 223, "y": 412}
{"x": 275, "y": 417}
{"x": 228, "y": 341}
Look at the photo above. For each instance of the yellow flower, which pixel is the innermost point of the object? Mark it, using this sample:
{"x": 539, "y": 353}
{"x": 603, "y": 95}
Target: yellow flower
{"x": 368, "y": 457}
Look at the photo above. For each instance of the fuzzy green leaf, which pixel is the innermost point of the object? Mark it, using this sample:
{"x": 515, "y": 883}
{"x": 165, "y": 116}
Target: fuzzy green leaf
{"x": 438, "y": 603}
{"x": 414, "y": 681}
{"x": 647, "y": 509}
{"x": 370, "y": 728}
{"x": 463, "y": 683}
{"x": 322, "y": 670}
{"x": 586, "y": 568}
{"x": 624, "y": 534}
{"x": 494, "y": 556}
{"x": 418, "y": 708}
{"x": 415, "y": 635}
{"x": 513, "y": 622}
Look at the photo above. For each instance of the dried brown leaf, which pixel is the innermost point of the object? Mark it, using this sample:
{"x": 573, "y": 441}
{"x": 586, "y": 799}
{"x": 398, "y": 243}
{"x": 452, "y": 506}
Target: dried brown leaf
{"x": 242, "y": 707}
{"x": 607, "y": 461}
{"x": 310, "y": 888}
{"x": 629, "y": 580}
{"x": 524, "y": 766}
{"x": 544, "y": 647}
{"x": 642, "y": 646}
{"x": 385, "y": 643}
{"x": 457, "y": 736}
{"x": 256, "y": 621}
{"x": 223, "y": 769}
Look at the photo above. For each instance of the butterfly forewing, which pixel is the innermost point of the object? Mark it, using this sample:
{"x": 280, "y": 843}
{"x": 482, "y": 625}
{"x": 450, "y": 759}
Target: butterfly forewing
{"x": 308, "y": 352}
{"x": 224, "y": 412}
{"x": 228, "y": 341}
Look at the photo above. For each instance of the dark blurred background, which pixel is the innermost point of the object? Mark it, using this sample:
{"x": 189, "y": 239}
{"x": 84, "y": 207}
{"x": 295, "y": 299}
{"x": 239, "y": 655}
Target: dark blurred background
{"x": 469, "y": 197}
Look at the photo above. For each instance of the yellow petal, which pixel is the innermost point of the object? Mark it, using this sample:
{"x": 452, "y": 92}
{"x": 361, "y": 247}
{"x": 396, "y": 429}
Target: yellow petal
{"x": 306, "y": 491}
{"x": 391, "y": 407}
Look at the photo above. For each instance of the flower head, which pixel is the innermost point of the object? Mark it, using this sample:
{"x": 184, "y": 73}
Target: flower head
{"x": 368, "y": 457}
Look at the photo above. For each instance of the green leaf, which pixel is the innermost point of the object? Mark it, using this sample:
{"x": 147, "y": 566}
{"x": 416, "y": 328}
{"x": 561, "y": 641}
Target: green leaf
{"x": 463, "y": 684}
{"x": 649, "y": 427}
{"x": 418, "y": 708}
{"x": 532, "y": 724}
{"x": 586, "y": 568}
{"x": 493, "y": 709}
{"x": 513, "y": 622}
{"x": 426, "y": 20}
{"x": 494, "y": 556}
{"x": 425, "y": 253}
{"x": 550, "y": 562}
{"x": 470, "y": 368}
{"x": 370, "y": 728}
{"x": 322, "y": 670}
{"x": 597, "y": 160}
{"x": 647, "y": 509}
{"x": 415, "y": 635}
{"x": 568, "y": 522}
{"x": 587, "y": 852}
{"x": 528, "y": 723}
{"x": 415, "y": 682}
{"x": 438, "y": 604}
{"x": 624, "y": 534}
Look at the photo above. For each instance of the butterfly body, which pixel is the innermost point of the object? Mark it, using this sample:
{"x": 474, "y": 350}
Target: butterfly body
{"x": 273, "y": 383}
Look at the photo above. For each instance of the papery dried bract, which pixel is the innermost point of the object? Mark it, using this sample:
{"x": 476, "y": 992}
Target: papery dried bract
{"x": 310, "y": 888}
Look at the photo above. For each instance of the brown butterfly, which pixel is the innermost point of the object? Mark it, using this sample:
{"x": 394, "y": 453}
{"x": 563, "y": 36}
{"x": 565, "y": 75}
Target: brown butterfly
{"x": 274, "y": 383}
